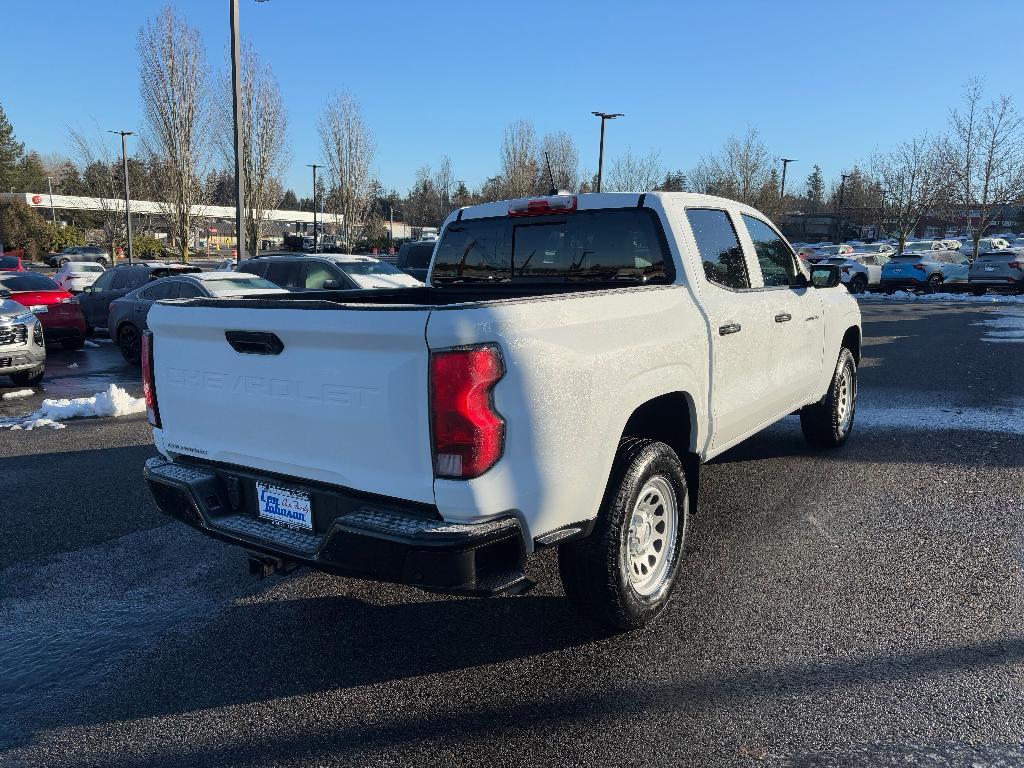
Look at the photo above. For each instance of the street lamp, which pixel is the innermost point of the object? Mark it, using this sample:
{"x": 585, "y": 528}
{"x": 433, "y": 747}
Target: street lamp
{"x": 600, "y": 157}
{"x": 127, "y": 203}
{"x": 839, "y": 217}
{"x": 53, "y": 212}
{"x": 314, "y": 166}
{"x": 782, "y": 189}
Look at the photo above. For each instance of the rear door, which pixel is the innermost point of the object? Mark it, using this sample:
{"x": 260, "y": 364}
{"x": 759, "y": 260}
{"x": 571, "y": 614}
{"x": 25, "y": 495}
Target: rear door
{"x": 740, "y": 352}
{"x": 794, "y": 316}
{"x": 344, "y": 400}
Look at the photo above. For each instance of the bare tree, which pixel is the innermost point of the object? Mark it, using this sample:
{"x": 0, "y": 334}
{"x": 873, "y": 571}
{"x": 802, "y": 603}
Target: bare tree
{"x": 519, "y": 159}
{"x": 96, "y": 162}
{"x": 912, "y": 181}
{"x": 172, "y": 76}
{"x": 348, "y": 149}
{"x": 559, "y": 150}
{"x": 985, "y": 157}
{"x": 442, "y": 180}
{"x": 264, "y": 146}
{"x": 634, "y": 173}
{"x": 741, "y": 170}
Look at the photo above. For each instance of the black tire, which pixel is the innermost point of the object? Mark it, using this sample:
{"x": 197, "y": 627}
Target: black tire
{"x": 102, "y": 261}
{"x": 28, "y": 378}
{"x": 596, "y": 571}
{"x": 76, "y": 343}
{"x": 62, "y": 262}
{"x": 858, "y": 284}
{"x": 979, "y": 290}
{"x": 824, "y": 424}
{"x": 933, "y": 284}
{"x": 89, "y": 331}
{"x": 129, "y": 340}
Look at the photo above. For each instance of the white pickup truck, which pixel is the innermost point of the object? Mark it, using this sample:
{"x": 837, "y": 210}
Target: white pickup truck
{"x": 570, "y": 364}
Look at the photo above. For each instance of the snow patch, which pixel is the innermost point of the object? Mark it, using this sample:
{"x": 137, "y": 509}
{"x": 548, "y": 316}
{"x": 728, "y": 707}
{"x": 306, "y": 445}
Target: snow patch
{"x": 1005, "y": 328}
{"x": 91, "y": 343}
{"x": 113, "y": 402}
{"x": 73, "y": 365}
{"x": 18, "y": 394}
{"x": 993, "y": 419}
{"x": 966, "y": 298}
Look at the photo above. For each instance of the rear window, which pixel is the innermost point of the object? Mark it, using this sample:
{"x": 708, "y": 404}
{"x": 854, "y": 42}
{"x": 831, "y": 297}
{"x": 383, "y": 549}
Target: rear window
{"x": 368, "y": 268}
{"x": 232, "y": 284}
{"x": 28, "y": 282}
{"x": 6, "y": 262}
{"x": 621, "y": 245}
{"x": 419, "y": 255}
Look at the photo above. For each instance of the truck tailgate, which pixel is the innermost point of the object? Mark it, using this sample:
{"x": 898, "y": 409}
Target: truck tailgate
{"x": 344, "y": 401}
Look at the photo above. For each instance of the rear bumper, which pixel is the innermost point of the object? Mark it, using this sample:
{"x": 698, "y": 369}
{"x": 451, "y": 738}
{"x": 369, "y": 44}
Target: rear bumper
{"x": 380, "y": 540}
{"x": 59, "y": 327}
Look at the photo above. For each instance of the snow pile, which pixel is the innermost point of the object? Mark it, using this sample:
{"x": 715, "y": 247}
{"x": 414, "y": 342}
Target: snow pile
{"x": 114, "y": 402}
{"x": 1006, "y": 328}
{"x": 970, "y": 298}
{"x": 73, "y": 365}
{"x": 18, "y": 394}
{"x": 91, "y": 343}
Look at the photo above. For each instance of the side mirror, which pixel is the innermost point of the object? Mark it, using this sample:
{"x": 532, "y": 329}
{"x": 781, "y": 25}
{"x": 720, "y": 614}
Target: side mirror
{"x": 331, "y": 285}
{"x": 800, "y": 281}
{"x": 825, "y": 275}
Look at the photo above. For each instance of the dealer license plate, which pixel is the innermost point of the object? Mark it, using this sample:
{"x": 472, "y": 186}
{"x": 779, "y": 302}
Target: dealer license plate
{"x": 284, "y": 505}
{"x": 990, "y": 269}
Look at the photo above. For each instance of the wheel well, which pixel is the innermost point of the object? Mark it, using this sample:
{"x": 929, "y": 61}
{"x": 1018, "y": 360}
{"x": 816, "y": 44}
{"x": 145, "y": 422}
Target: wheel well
{"x": 851, "y": 340}
{"x": 669, "y": 419}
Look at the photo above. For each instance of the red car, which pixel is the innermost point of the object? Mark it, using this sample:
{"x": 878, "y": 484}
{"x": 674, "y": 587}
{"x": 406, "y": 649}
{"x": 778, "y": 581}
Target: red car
{"x": 11, "y": 264}
{"x": 59, "y": 313}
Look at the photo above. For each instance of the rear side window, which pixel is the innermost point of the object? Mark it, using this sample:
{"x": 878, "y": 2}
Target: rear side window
{"x": 287, "y": 274}
{"x": 778, "y": 267}
{"x": 252, "y": 268}
{"x": 419, "y": 256}
{"x": 719, "y": 247}
{"x": 621, "y": 245}
{"x": 121, "y": 279}
{"x": 157, "y": 291}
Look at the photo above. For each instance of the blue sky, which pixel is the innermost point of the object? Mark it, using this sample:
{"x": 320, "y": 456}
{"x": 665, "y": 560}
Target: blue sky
{"x": 825, "y": 82}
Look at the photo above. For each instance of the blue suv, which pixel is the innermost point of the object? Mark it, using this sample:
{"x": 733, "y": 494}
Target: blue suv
{"x": 923, "y": 267}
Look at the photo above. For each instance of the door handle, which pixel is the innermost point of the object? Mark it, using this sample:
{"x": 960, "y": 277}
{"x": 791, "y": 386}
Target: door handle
{"x": 783, "y": 317}
{"x": 725, "y": 330}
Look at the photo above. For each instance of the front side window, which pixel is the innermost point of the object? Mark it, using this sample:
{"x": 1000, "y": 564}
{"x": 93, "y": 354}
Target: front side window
{"x": 317, "y": 274}
{"x": 120, "y": 279}
{"x": 718, "y": 247}
{"x": 286, "y": 274}
{"x": 103, "y": 282}
{"x": 778, "y": 267}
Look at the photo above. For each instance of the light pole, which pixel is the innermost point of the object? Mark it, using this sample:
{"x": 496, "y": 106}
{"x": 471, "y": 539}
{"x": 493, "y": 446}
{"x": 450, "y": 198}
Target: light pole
{"x": 236, "y": 86}
{"x": 314, "y": 166}
{"x": 127, "y": 195}
{"x": 839, "y": 217}
{"x": 782, "y": 188}
{"x": 600, "y": 156}
{"x": 49, "y": 186}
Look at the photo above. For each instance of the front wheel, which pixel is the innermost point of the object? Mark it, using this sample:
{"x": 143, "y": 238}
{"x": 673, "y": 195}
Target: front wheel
{"x": 934, "y": 284}
{"x": 62, "y": 262}
{"x": 978, "y": 290}
{"x": 130, "y": 341}
{"x": 858, "y": 284}
{"x": 623, "y": 574}
{"x": 828, "y": 424}
{"x": 76, "y": 343}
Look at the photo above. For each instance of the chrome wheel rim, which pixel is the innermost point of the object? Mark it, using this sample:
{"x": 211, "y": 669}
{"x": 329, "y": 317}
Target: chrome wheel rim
{"x": 846, "y": 394}
{"x": 651, "y": 539}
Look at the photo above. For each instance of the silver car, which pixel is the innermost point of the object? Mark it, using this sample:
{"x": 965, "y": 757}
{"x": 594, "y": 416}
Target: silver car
{"x": 1001, "y": 269}
{"x": 22, "y": 348}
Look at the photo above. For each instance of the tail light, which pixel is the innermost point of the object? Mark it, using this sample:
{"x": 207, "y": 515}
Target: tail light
{"x": 468, "y": 434}
{"x": 1015, "y": 265}
{"x": 919, "y": 266}
{"x": 148, "y": 380}
{"x": 540, "y": 206}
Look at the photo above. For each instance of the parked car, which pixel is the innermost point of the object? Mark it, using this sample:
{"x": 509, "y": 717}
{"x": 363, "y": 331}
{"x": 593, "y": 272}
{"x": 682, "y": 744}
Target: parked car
{"x": 828, "y": 251}
{"x": 1017, "y": 244}
{"x": 923, "y": 246}
{"x": 1000, "y": 269}
{"x": 128, "y": 314}
{"x": 860, "y": 271}
{"x": 22, "y": 344}
{"x": 56, "y": 309}
{"x": 78, "y": 253}
{"x": 553, "y": 385}
{"x": 951, "y": 245}
{"x": 76, "y": 276}
{"x": 95, "y": 299}
{"x": 327, "y": 272}
{"x": 11, "y": 264}
{"x": 927, "y": 270}
{"x": 414, "y": 258}
{"x": 804, "y": 252}
{"x": 878, "y": 249}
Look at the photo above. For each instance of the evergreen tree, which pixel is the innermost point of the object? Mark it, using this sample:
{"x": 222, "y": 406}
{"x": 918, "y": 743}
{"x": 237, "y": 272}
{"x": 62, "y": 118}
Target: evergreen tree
{"x": 815, "y": 189}
{"x": 289, "y": 202}
{"x": 675, "y": 181}
{"x": 11, "y": 152}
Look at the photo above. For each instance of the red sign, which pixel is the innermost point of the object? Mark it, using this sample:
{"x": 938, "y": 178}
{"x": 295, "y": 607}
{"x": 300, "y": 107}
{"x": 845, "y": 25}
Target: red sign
{"x": 212, "y": 230}
{"x": 375, "y": 251}
{"x": 37, "y": 199}
{"x": 391, "y": 251}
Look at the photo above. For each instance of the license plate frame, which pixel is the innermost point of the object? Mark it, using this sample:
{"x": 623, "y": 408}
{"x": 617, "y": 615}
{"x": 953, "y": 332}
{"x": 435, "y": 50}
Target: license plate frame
{"x": 290, "y": 507}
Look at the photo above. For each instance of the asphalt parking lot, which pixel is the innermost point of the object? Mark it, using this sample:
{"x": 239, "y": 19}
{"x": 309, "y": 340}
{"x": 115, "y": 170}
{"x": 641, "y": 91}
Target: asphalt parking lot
{"x": 859, "y": 608}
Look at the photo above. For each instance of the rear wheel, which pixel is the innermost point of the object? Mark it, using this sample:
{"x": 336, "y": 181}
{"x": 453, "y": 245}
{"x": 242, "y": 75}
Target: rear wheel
{"x": 102, "y": 261}
{"x": 858, "y": 284}
{"x": 62, "y": 261}
{"x": 28, "y": 378}
{"x": 934, "y": 284}
{"x": 828, "y": 424}
{"x": 130, "y": 341}
{"x": 623, "y": 574}
{"x": 76, "y": 343}
{"x": 978, "y": 290}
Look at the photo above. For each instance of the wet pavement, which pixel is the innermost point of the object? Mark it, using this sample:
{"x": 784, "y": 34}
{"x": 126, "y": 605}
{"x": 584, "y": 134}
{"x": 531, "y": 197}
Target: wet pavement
{"x": 856, "y": 608}
{"x": 70, "y": 374}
